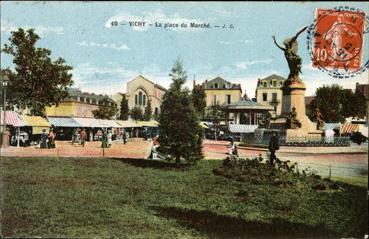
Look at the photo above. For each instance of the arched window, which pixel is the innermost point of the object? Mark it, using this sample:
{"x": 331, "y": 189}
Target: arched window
{"x": 144, "y": 99}
{"x": 265, "y": 84}
{"x": 140, "y": 98}
{"x": 136, "y": 100}
{"x": 156, "y": 112}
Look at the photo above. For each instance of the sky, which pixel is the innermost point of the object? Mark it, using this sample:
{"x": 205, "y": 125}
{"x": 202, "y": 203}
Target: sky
{"x": 105, "y": 57}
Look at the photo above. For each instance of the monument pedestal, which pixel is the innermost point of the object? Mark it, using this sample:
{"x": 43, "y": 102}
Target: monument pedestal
{"x": 294, "y": 96}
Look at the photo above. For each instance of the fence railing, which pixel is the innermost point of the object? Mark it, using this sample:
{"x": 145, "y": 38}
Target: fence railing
{"x": 310, "y": 140}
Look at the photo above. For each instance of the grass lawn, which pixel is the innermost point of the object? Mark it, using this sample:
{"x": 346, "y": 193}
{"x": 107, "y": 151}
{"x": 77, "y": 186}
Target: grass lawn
{"x": 107, "y": 198}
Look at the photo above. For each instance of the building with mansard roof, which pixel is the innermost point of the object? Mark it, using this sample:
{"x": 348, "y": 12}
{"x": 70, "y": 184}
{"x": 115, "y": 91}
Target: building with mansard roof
{"x": 269, "y": 93}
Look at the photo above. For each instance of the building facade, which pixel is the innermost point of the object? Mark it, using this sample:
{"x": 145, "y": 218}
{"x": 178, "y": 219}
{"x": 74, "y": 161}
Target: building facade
{"x": 269, "y": 93}
{"x": 140, "y": 90}
{"x": 222, "y": 92}
{"x": 77, "y": 104}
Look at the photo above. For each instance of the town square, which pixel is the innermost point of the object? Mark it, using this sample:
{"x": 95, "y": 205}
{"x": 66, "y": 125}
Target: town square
{"x": 184, "y": 120}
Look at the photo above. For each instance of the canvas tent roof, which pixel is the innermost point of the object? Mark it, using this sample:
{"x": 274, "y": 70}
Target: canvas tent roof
{"x": 127, "y": 123}
{"x": 242, "y": 128}
{"x": 63, "y": 122}
{"x": 12, "y": 118}
{"x": 35, "y": 121}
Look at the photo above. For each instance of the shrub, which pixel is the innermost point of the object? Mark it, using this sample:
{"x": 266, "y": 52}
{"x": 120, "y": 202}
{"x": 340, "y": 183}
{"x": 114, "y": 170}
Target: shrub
{"x": 282, "y": 173}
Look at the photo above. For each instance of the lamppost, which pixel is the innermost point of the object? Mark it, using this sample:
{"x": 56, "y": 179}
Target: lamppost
{"x": 4, "y": 82}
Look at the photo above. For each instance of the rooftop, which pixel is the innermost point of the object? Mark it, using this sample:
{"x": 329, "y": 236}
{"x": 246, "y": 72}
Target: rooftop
{"x": 248, "y": 104}
{"x": 220, "y": 83}
{"x": 274, "y": 77}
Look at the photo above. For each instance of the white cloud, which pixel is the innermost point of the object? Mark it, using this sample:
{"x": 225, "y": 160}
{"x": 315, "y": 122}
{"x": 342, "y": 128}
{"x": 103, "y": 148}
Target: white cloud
{"x": 104, "y": 45}
{"x": 245, "y": 64}
{"x": 113, "y": 78}
{"x": 239, "y": 42}
{"x": 39, "y": 29}
{"x": 152, "y": 18}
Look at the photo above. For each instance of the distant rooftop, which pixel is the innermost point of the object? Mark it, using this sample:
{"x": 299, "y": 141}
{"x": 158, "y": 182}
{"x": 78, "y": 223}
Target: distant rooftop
{"x": 248, "y": 104}
{"x": 274, "y": 77}
{"x": 75, "y": 92}
{"x": 220, "y": 83}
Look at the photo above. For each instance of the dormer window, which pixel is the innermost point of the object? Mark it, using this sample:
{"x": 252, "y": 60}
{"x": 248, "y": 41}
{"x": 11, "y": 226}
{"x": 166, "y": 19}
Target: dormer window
{"x": 265, "y": 84}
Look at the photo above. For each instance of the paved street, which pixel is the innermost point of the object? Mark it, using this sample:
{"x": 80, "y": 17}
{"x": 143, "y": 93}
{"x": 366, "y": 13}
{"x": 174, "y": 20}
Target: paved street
{"x": 351, "y": 163}
{"x": 135, "y": 148}
{"x": 347, "y": 161}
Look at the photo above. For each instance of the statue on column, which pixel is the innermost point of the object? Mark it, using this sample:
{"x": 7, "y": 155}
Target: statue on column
{"x": 293, "y": 59}
{"x": 292, "y": 121}
{"x": 319, "y": 119}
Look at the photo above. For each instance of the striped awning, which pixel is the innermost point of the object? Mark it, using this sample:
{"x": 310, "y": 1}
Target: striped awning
{"x": 348, "y": 128}
{"x": 63, "y": 122}
{"x": 36, "y": 121}
{"x": 331, "y": 126}
{"x": 12, "y": 118}
{"x": 242, "y": 128}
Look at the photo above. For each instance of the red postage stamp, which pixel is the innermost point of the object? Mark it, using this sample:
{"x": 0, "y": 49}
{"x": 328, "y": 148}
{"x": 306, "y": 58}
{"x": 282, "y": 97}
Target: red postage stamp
{"x": 338, "y": 39}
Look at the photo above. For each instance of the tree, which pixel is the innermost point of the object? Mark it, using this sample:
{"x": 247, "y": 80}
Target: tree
{"x": 215, "y": 113}
{"x": 180, "y": 131}
{"x": 124, "y": 110}
{"x": 148, "y": 111}
{"x": 37, "y": 81}
{"x": 136, "y": 113}
{"x": 107, "y": 109}
{"x": 359, "y": 104}
{"x": 199, "y": 99}
{"x": 336, "y": 103}
{"x": 347, "y": 100}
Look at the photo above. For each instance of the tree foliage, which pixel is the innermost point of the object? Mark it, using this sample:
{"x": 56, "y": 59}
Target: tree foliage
{"x": 106, "y": 110}
{"x": 215, "y": 113}
{"x": 180, "y": 132}
{"x": 136, "y": 113}
{"x": 199, "y": 99}
{"x": 336, "y": 103}
{"x": 148, "y": 111}
{"x": 37, "y": 81}
{"x": 124, "y": 110}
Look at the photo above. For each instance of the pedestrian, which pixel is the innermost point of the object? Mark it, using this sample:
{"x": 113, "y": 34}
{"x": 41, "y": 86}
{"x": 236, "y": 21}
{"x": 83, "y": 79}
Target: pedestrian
{"x": 83, "y": 137}
{"x": 110, "y": 141}
{"x": 231, "y": 147}
{"x": 51, "y": 140}
{"x": 44, "y": 139}
{"x": 75, "y": 136}
{"x": 104, "y": 140}
{"x": 6, "y": 138}
{"x": 273, "y": 146}
{"x": 234, "y": 150}
{"x": 124, "y": 137}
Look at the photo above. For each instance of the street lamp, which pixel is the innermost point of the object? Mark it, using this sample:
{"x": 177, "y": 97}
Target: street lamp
{"x": 4, "y": 81}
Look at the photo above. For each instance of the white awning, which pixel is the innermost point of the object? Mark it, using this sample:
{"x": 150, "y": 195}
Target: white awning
{"x": 242, "y": 128}
{"x": 96, "y": 123}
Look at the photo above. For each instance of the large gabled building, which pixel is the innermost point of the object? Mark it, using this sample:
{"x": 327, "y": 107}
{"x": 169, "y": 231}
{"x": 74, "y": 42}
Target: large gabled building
{"x": 220, "y": 91}
{"x": 269, "y": 93}
{"x": 140, "y": 90}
